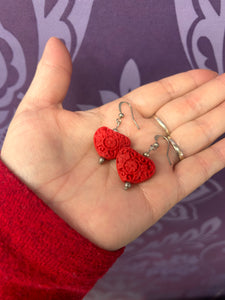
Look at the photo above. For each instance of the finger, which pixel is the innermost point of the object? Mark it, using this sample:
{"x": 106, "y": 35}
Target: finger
{"x": 193, "y": 104}
{"x": 198, "y": 134}
{"x": 52, "y": 78}
{"x": 150, "y": 97}
{"x": 195, "y": 170}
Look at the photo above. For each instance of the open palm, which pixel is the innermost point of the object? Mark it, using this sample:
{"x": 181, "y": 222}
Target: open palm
{"x": 52, "y": 150}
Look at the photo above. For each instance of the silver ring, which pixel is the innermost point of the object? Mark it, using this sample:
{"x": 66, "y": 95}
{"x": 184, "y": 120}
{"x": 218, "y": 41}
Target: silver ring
{"x": 176, "y": 148}
{"x": 161, "y": 124}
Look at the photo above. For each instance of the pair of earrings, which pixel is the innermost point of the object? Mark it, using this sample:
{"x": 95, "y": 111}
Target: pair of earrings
{"x": 132, "y": 167}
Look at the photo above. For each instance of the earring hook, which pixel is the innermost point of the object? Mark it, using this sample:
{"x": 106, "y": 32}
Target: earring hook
{"x": 156, "y": 145}
{"x": 168, "y": 148}
{"x": 121, "y": 115}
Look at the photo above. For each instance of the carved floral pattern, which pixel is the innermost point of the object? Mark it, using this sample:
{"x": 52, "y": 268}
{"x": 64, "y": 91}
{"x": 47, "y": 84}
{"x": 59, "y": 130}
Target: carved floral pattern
{"x": 133, "y": 167}
{"x": 108, "y": 142}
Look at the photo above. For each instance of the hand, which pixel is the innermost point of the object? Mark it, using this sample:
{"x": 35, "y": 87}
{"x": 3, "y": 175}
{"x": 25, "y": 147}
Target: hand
{"x": 52, "y": 151}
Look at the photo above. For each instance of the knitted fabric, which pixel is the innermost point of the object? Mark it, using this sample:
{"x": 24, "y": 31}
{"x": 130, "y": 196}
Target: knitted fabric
{"x": 42, "y": 257}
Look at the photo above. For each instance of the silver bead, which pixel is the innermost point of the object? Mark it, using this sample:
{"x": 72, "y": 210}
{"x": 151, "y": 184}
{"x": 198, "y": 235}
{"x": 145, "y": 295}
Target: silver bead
{"x": 156, "y": 145}
{"x": 101, "y": 160}
{"x": 121, "y": 115}
{"x": 127, "y": 185}
{"x": 146, "y": 154}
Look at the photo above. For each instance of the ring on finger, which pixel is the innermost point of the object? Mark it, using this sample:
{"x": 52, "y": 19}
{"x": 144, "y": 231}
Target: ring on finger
{"x": 177, "y": 149}
{"x": 162, "y": 124}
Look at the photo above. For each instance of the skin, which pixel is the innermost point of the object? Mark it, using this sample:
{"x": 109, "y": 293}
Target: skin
{"x": 51, "y": 149}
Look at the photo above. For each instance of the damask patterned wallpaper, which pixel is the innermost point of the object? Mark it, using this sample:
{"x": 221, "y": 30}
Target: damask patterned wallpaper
{"x": 115, "y": 47}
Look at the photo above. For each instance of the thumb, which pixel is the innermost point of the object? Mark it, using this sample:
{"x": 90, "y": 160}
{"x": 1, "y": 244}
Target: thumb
{"x": 52, "y": 77}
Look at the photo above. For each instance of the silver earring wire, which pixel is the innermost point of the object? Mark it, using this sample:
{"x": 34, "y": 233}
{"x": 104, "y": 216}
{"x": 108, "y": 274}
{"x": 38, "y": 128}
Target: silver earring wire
{"x": 121, "y": 115}
{"x": 156, "y": 146}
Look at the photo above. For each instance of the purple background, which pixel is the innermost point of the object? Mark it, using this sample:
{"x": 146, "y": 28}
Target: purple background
{"x": 117, "y": 46}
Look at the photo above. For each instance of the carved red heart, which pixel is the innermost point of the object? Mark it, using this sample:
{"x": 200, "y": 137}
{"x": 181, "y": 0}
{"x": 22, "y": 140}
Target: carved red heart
{"x": 108, "y": 142}
{"x": 133, "y": 167}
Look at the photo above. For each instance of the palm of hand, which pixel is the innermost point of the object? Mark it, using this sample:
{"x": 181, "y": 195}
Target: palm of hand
{"x": 52, "y": 151}
{"x": 57, "y": 159}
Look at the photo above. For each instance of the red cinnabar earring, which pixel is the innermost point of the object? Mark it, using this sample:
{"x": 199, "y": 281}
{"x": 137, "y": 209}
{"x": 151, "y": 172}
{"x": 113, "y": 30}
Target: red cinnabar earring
{"x": 133, "y": 167}
{"x": 108, "y": 142}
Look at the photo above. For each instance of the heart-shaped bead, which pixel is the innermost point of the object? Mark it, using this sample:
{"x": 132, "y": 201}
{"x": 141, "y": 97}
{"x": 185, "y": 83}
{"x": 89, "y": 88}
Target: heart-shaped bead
{"x": 108, "y": 142}
{"x": 133, "y": 167}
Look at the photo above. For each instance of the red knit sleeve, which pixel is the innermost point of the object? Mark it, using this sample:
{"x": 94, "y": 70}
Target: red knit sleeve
{"x": 41, "y": 257}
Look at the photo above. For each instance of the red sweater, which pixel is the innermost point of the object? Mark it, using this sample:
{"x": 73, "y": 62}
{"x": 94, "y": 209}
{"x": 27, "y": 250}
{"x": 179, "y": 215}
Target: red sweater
{"x": 41, "y": 257}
